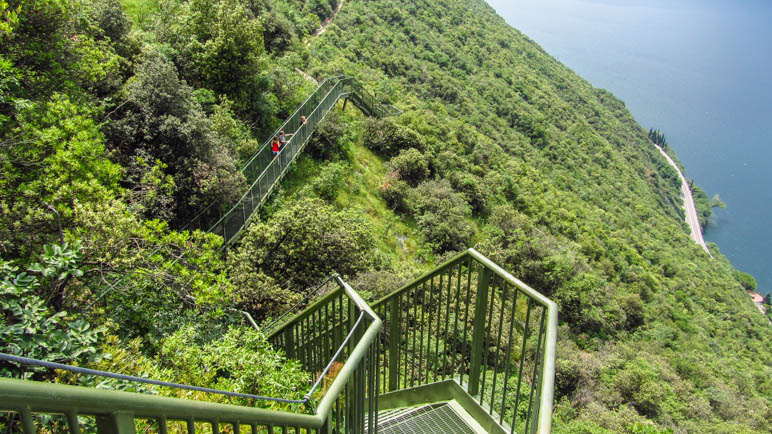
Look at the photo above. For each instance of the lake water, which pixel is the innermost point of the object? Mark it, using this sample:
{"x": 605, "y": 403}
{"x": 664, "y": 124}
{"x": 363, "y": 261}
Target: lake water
{"x": 701, "y": 72}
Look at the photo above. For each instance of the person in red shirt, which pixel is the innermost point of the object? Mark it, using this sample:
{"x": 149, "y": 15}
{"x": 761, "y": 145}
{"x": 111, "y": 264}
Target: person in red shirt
{"x": 275, "y": 146}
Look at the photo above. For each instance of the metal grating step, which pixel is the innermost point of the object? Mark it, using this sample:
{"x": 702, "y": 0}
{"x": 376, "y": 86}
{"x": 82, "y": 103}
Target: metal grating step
{"x": 446, "y": 417}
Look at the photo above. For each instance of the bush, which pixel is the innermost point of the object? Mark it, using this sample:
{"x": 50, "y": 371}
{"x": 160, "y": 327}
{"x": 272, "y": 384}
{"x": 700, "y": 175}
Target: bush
{"x": 746, "y": 280}
{"x": 396, "y": 193}
{"x": 240, "y": 361}
{"x": 441, "y": 214}
{"x": 329, "y": 180}
{"x": 474, "y": 191}
{"x": 299, "y": 246}
{"x": 30, "y": 327}
{"x": 326, "y": 143}
{"x": 387, "y": 138}
{"x": 410, "y": 165}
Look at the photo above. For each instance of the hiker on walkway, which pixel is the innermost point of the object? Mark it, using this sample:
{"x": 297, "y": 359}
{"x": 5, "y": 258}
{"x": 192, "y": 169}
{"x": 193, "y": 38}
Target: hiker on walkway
{"x": 303, "y": 120}
{"x": 275, "y": 144}
{"x": 283, "y": 138}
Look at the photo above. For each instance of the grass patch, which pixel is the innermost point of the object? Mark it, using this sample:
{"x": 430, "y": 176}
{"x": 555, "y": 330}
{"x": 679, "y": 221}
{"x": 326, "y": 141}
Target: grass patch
{"x": 139, "y": 10}
{"x": 397, "y": 236}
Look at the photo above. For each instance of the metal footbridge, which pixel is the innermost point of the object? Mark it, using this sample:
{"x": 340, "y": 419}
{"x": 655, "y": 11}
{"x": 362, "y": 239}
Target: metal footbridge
{"x": 465, "y": 348}
{"x": 263, "y": 171}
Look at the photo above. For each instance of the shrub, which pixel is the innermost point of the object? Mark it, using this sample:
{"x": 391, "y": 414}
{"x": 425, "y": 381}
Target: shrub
{"x": 242, "y": 361}
{"x": 474, "y": 190}
{"x": 329, "y": 180}
{"x": 300, "y": 245}
{"x": 411, "y": 165}
{"x": 387, "y": 138}
{"x": 30, "y": 327}
{"x": 326, "y": 143}
{"x": 396, "y": 193}
{"x": 441, "y": 215}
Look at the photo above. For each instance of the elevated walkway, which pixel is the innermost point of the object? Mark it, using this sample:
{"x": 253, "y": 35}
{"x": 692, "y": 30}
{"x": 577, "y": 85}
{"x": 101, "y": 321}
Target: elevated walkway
{"x": 263, "y": 171}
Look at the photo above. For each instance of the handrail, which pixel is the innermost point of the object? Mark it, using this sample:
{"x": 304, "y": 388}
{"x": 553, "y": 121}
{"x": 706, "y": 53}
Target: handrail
{"x": 135, "y": 379}
{"x": 119, "y": 409}
{"x": 407, "y": 339}
{"x": 486, "y": 301}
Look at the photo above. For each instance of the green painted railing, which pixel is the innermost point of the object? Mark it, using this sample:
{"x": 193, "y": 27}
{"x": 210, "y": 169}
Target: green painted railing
{"x": 471, "y": 321}
{"x": 263, "y": 171}
{"x": 339, "y": 351}
{"x": 468, "y": 321}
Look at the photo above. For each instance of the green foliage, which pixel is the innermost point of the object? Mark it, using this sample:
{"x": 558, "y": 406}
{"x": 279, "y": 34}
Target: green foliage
{"x": 57, "y": 158}
{"x": 388, "y": 138}
{"x": 140, "y": 11}
{"x": 241, "y": 360}
{"x": 111, "y": 18}
{"x": 410, "y": 165}
{"x": 172, "y": 278}
{"x": 396, "y": 193}
{"x": 297, "y": 247}
{"x": 218, "y": 45}
{"x": 327, "y": 141}
{"x": 152, "y": 189}
{"x": 747, "y": 281}
{"x": 441, "y": 215}
{"x": 704, "y": 207}
{"x": 716, "y": 202}
{"x": 8, "y": 19}
{"x": 226, "y": 125}
{"x": 658, "y": 138}
{"x": 329, "y": 180}
{"x": 158, "y": 118}
{"x": 498, "y": 146}
{"x": 30, "y": 327}
{"x": 573, "y": 199}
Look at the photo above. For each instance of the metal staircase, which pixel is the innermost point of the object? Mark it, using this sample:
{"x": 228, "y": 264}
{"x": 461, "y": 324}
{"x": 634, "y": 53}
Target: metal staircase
{"x": 263, "y": 171}
{"x": 464, "y": 348}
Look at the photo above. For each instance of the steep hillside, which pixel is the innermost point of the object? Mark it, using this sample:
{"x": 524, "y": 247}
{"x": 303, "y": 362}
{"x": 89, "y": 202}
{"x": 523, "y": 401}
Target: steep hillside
{"x": 571, "y": 197}
{"x": 113, "y": 134}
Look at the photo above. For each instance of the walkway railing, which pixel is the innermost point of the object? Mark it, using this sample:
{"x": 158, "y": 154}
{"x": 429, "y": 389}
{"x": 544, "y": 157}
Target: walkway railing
{"x": 317, "y": 337}
{"x": 471, "y": 321}
{"x": 264, "y": 170}
{"x": 339, "y": 351}
{"x": 468, "y": 321}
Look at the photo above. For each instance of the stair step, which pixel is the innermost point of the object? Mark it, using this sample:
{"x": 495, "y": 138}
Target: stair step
{"x": 445, "y": 417}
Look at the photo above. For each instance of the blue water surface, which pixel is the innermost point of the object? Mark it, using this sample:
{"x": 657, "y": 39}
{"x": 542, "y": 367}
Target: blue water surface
{"x": 701, "y": 72}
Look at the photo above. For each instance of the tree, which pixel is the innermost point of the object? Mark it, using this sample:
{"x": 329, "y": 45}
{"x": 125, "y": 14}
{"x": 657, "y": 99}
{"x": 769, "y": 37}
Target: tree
{"x": 159, "y": 119}
{"x": 747, "y": 281}
{"x": 219, "y": 45}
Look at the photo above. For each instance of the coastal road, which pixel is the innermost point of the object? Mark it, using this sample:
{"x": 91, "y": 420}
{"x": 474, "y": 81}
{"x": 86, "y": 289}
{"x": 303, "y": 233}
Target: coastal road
{"x": 691, "y": 210}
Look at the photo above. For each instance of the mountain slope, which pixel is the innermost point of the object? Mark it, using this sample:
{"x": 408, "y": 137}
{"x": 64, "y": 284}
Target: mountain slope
{"x": 571, "y": 197}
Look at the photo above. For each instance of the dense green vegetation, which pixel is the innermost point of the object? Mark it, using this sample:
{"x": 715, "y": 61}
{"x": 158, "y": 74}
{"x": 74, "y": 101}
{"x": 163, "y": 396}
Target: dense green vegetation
{"x": 115, "y": 130}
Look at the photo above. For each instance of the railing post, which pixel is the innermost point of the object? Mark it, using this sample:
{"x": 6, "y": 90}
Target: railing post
{"x": 116, "y": 423}
{"x": 478, "y": 330}
{"x": 394, "y": 338}
{"x": 27, "y": 424}
{"x": 289, "y": 341}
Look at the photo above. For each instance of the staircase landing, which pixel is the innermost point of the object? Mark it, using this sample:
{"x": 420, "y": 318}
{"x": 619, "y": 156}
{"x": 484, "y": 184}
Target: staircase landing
{"x": 441, "y": 417}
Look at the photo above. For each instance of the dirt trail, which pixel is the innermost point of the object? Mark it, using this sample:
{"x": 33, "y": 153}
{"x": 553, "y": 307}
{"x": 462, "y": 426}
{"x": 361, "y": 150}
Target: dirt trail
{"x": 326, "y": 23}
